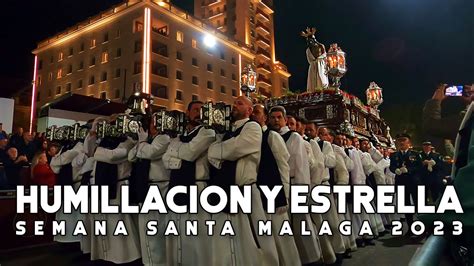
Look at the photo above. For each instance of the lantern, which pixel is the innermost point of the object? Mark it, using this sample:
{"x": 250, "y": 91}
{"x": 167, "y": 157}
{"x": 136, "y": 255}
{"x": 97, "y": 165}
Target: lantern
{"x": 336, "y": 64}
{"x": 374, "y": 95}
{"x": 248, "y": 80}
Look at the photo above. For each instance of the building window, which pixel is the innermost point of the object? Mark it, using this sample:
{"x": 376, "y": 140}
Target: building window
{"x": 117, "y": 94}
{"x": 222, "y": 89}
{"x": 71, "y": 51}
{"x": 137, "y": 67}
{"x": 106, "y": 37}
{"x": 103, "y": 77}
{"x": 210, "y": 85}
{"x": 50, "y": 76}
{"x": 68, "y": 87}
{"x": 233, "y": 77}
{"x": 38, "y": 96}
{"x": 234, "y": 92}
{"x": 222, "y": 56}
{"x": 117, "y": 34}
{"x": 179, "y": 75}
{"x": 81, "y": 48}
{"x": 92, "y": 62}
{"x": 195, "y": 80}
{"x": 194, "y": 43}
{"x": 159, "y": 90}
{"x": 60, "y": 56}
{"x": 138, "y": 26}
{"x": 117, "y": 73}
{"x": 138, "y": 46}
{"x": 79, "y": 84}
{"x": 40, "y": 64}
{"x": 222, "y": 72}
{"x": 180, "y": 36}
{"x": 58, "y": 90}
{"x": 119, "y": 52}
{"x": 195, "y": 97}
{"x": 209, "y": 67}
{"x": 233, "y": 60}
{"x": 105, "y": 57}
{"x": 60, "y": 73}
{"x": 179, "y": 95}
{"x": 159, "y": 48}
{"x": 91, "y": 80}
{"x": 81, "y": 65}
{"x": 103, "y": 95}
{"x": 38, "y": 80}
{"x": 159, "y": 69}
{"x": 69, "y": 69}
{"x": 179, "y": 56}
{"x": 92, "y": 43}
{"x": 195, "y": 62}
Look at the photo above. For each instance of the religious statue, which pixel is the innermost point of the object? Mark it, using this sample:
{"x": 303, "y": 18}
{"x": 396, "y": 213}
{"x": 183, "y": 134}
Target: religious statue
{"x": 316, "y": 55}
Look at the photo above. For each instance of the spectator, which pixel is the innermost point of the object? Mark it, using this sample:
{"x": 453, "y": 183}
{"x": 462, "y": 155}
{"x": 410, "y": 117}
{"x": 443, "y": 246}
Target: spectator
{"x": 13, "y": 165}
{"x": 3, "y": 148}
{"x": 27, "y": 146}
{"x": 41, "y": 172}
{"x": 51, "y": 151}
{"x": 2, "y": 132}
{"x": 17, "y": 137}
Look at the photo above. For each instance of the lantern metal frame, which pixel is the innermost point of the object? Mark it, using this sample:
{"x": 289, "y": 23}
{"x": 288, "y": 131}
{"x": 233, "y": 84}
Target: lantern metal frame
{"x": 336, "y": 65}
{"x": 374, "y": 95}
{"x": 248, "y": 80}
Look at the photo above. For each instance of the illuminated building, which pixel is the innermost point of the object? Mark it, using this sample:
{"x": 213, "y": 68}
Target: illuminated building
{"x": 144, "y": 44}
{"x": 249, "y": 22}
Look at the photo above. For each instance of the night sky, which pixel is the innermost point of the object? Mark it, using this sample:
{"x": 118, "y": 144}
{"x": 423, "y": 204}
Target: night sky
{"x": 406, "y": 46}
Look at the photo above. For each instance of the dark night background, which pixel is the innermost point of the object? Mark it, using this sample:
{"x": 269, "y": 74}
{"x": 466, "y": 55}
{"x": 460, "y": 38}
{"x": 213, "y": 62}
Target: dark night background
{"x": 406, "y": 46}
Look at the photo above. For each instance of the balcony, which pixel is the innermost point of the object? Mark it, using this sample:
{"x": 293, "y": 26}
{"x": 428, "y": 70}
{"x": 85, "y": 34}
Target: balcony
{"x": 280, "y": 66}
{"x": 262, "y": 14}
{"x": 267, "y": 5}
{"x": 216, "y": 15}
{"x": 264, "y": 67}
{"x": 261, "y": 40}
{"x": 262, "y": 79}
{"x": 264, "y": 53}
{"x": 210, "y": 2}
{"x": 263, "y": 28}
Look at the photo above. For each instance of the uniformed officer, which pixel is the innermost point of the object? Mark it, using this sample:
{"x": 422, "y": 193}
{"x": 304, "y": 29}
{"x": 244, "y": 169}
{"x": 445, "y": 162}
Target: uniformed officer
{"x": 406, "y": 163}
{"x": 429, "y": 172}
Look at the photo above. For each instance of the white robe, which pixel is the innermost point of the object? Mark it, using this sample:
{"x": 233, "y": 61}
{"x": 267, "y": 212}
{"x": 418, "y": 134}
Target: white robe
{"x": 317, "y": 73}
{"x": 71, "y": 219}
{"x": 189, "y": 250}
{"x": 153, "y": 248}
{"x": 308, "y": 246}
{"x": 244, "y": 248}
{"x": 116, "y": 249}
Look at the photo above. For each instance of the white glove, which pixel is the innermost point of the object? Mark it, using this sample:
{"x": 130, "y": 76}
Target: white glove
{"x": 142, "y": 135}
{"x": 404, "y": 170}
{"x": 432, "y": 162}
{"x": 398, "y": 171}
{"x": 215, "y": 162}
{"x": 430, "y": 168}
{"x": 170, "y": 162}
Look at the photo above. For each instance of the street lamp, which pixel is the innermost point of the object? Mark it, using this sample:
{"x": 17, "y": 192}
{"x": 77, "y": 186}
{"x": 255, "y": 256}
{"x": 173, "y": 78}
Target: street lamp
{"x": 374, "y": 95}
{"x": 336, "y": 63}
{"x": 248, "y": 80}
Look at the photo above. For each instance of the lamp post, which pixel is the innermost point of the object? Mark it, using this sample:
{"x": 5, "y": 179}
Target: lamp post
{"x": 336, "y": 64}
{"x": 374, "y": 95}
{"x": 248, "y": 80}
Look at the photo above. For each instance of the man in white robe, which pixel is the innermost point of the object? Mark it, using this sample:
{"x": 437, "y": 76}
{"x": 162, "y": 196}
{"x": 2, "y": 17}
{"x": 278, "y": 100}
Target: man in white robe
{"x": 308, "y": 245}
{"x": 286, "y": 246}
{"x": 235, "y": 157}
{"x": 148, "y": 169}
{"x": 186, "y": 157}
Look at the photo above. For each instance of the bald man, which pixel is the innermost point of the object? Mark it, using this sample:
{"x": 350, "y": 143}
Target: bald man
{"x": 235, "y": 158}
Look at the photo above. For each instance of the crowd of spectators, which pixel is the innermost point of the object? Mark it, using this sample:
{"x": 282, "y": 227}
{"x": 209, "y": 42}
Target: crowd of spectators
{"x": 25, "y": 158}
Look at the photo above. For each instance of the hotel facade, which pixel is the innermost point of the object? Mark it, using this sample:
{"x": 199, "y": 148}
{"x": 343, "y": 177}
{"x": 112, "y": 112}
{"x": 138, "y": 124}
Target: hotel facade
{"x": 152, "y": 46}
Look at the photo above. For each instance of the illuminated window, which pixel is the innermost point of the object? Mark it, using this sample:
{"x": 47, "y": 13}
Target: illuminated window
{"x": 138, "y": 26}
{"x": 92, "y": 43}
{"x": 194, "y": 43}
{"x": 60, "y": 73}
{"x": 105, "y": 57}
{"x": 179, "y": 36}
{"x": 60, "y": 56}
{"x": 58, "y": 90}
